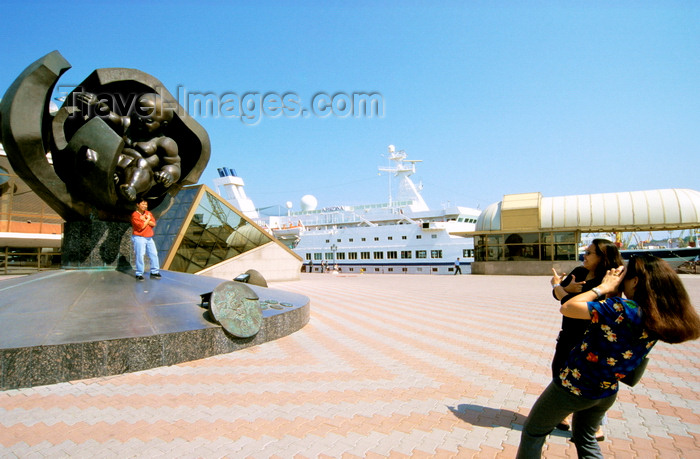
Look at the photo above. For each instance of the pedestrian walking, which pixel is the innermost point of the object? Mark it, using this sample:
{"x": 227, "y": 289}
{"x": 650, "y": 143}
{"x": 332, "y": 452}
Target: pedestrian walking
{"x": 458, "y": 270}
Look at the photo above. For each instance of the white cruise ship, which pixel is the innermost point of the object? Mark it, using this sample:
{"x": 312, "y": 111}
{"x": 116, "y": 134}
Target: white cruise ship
{"x": 400, "y": 236}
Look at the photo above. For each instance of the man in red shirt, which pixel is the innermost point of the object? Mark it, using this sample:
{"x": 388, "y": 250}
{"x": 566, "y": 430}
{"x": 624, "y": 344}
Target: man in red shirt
{"x": 143, "y": 222}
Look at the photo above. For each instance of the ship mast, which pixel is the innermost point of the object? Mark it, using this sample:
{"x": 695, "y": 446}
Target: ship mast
{"x": 403, "y": 168}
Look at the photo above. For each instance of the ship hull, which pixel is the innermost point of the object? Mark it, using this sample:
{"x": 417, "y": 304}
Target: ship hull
{"x": 397, "y": 249}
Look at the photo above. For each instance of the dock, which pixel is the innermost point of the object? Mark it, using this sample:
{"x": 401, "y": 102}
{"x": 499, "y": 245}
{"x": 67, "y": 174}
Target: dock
{"x": 389, "y": 366}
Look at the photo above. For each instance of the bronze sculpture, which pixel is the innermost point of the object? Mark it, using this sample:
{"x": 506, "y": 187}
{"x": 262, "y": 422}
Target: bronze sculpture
{"x": 119, "y": 136}
{"x": 149, "y": 156}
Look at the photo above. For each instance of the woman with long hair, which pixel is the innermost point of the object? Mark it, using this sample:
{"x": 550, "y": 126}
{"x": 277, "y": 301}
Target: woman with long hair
{"x": 620, "y": 334}
{"x": 599, "y": 257}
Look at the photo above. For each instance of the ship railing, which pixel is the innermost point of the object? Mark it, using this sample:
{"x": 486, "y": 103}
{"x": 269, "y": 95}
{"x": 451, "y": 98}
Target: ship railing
{"x": 365, "y": 221}
{"x": 408, "y": 220}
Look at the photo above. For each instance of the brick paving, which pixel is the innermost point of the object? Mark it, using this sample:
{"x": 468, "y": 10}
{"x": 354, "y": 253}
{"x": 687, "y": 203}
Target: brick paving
{"x": 389, "y": 366}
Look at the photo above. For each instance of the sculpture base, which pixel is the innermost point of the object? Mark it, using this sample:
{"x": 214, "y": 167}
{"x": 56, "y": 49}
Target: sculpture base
{"x": 97, "y": 244}
{"x": 74, "y": 324}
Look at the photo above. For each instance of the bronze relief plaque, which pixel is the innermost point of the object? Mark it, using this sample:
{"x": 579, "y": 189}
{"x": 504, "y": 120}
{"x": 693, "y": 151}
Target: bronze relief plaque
{"x": 237, "y": 308}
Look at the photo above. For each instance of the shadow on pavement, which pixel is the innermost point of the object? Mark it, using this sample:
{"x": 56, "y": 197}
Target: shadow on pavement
{"x": 490, "y": 417}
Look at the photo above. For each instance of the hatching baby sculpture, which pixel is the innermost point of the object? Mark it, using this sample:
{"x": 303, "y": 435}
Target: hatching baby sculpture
{"x": 119, "y": 136}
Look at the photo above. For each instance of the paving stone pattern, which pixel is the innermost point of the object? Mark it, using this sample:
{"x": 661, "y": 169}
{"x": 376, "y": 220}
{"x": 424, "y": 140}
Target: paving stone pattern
{"x": 388, "y": 366}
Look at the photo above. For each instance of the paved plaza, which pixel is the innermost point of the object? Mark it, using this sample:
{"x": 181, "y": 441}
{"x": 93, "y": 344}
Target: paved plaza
{"x": 388, "y": 366}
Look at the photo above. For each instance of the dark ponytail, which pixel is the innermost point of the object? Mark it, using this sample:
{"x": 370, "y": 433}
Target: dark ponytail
{"x": 667, "y": 309}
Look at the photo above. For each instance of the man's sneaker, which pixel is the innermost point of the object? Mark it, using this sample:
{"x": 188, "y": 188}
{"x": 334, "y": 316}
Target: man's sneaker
{"x": 155, "y": 276}
{"x": 139, "y": 278}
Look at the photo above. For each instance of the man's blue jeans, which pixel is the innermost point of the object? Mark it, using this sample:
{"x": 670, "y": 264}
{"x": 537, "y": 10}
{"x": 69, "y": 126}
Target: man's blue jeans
{"x": 145, "y": 246}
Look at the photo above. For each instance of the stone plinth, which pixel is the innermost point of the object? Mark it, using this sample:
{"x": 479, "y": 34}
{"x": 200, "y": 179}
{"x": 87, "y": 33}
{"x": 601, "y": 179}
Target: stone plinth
{"x": 83, "y": 323}
{"x": 96, "y": 244}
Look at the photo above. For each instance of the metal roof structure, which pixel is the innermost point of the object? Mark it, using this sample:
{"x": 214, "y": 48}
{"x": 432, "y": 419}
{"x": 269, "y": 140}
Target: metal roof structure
{"x": 651, "y": 210}
{"x": 201, "y": 229}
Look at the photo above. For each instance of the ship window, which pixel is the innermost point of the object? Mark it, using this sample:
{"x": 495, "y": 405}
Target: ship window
{"x": 327, "y": 241}
{"x": 404, "y": 270}
{"x": 467, "y": 253}
{"x": 364, "y": 255}
{"x": 390, "y": 238}
{"x": 378, "y": 255}
{"x": 376, "y": 270}
{"x": 364, "y": 239}
{"x": 352, "y": 255}
{"x": 352, "y": 269}
{"x": 436, "y": 254}
{"x": 405, "y": 254}
{"x": 337, "y": 240}
{"x": 390, "y": 269}
{"x": 392, "y": 255}
{"x": 421, "y": 254}
{"x": 340, "y": 255}
{"x": 376, "y": 238}
{"x": 318, "y": 256}
{"x": 329, "y": 256}
{"x": 435, "y": 270}
{"x": 434, "y": 236}
{"x": 308, "y": 256}
{"x": 419, "y": 269}
{"x": 351, "y": 239}
{"x": 418, "y": 236}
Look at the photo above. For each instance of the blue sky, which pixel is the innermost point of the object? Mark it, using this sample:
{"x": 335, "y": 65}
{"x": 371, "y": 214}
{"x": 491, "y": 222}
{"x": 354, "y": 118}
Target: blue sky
{"x": 495, "y": 97}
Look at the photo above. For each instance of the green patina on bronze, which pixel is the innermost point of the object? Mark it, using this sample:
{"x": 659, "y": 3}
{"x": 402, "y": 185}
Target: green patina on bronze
{"x": 237, "y": 308}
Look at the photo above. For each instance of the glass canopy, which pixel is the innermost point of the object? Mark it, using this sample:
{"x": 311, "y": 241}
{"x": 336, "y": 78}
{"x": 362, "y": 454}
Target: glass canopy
{"x": 201, "y": 229}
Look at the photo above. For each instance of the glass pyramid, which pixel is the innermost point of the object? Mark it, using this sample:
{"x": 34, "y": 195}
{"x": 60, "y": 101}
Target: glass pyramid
{"x": 201, "y": 229}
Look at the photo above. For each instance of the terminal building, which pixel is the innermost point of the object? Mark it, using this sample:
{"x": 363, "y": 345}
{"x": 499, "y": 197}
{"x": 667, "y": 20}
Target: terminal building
{"x": 30, "y": 230}
{"x": 531, "y": 234}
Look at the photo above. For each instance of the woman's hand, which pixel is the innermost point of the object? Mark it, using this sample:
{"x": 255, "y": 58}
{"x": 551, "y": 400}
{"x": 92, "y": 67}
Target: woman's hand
{"x": 573, "y": 286}
{"x": 556, "y": 279}
{"x": 577, "y": 307}
{"x": 612, "y": 280}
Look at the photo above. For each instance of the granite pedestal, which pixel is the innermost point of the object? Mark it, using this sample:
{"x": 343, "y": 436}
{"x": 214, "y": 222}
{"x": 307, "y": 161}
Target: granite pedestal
{"x": 97, "y": 244}
{"x": 65, "y": 325}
